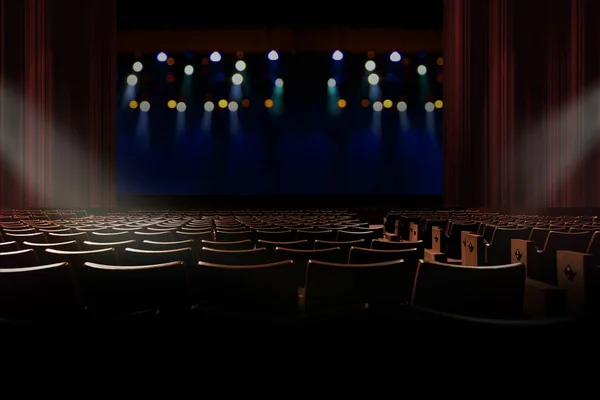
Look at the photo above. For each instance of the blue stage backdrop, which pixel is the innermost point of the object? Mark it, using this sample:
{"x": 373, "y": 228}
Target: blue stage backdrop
{"x": 279, "y": 124}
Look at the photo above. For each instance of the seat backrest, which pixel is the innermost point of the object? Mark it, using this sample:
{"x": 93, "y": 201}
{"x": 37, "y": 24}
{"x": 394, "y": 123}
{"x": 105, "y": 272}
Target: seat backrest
{"x": 330, "y": 286}
{"x": 301, "y": 257}
{"x": 133, "y": 256}
{"x": 402, "y": 245}
{"x": 239, "y": 245}
{"x": 196, "y": 236}
{"x": 232, "y": 236}
{"x": 40, "y": 248}
{"x": 540, "y": 235}
{"x": 66, "y": 237}
{"x": 360, "y": 255}
{"x": 257, "y": 289}
{"x": 77, "y": 258}
{"x": 25, "y": 237}
{"x": 275, "y": 235}
{"x": 270, "y": 245}
{"x": 109, "y": 236}
{"x": 110, "y": 290}
{"x": 161, "y": 236}
{"x": 9, "y": 246}
{"x": 235, "y": 257}
{"x": 578, "y": 242}
{"x": 152, "y": 245}
{"x": 47, "y": 292}
{"x": 594, "y": 246}
{"x": 488, "y": 292}
{"x": 19, "y": 259}
{"x": 368, "y": 236}
{"x": 312, "y": 235}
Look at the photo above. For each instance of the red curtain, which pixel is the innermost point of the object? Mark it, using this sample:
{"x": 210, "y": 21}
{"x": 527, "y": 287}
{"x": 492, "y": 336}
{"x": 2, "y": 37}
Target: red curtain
{"x": 57, "y": 103}
{"x": 521, "y": 104}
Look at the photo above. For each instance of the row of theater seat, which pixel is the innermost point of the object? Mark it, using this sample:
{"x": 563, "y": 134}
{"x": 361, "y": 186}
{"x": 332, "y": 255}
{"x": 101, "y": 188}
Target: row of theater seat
{"x": 561, "y": 253}
{"x": 273, "y": 262}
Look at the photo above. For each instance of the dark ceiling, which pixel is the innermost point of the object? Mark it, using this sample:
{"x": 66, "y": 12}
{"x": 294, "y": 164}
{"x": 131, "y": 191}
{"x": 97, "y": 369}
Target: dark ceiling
{"x": 179, "y": 14}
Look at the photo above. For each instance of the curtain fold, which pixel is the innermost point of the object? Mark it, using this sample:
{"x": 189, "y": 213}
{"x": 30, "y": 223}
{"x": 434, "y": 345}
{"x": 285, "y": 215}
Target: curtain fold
{"x": 57, "y": 103}
{"x": 521, "y": 91}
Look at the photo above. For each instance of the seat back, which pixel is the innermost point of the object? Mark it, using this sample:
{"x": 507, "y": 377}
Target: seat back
{"x": 115, "y": 291}
{"x": 301, "y": 257}
{"x": 19, "y": 259}
{"x": 133, "y": 256}
{"x": 232, "y": 236}
{"x": 239, "y": 245}
{"x": 109, "y": 237}
{"x": 40, "y": 249}
{"x": 330, "y": 286}
{"x": 402, "y": 245}
{"x": 255, "y": 289}
{"x": 270, "y": 246}
{"x": 9, "y": 246}
{"x": 487, "y": 292}
{"x": 41, "y": 293}
{"x": 360, "y": 255}
{"x": 77, "y": 258}
{"x": 235, "y": 257}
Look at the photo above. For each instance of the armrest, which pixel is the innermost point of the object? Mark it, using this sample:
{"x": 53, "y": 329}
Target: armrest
{"x": 392, "y": 237}
{"x": 413, "y": 232}
{"x": 473, "y": 249}
{"x": 523, "y": 251}
{"x": 578, "y": 274}
{"x": 437, "y": 239}
{"x": 542, "y": 300}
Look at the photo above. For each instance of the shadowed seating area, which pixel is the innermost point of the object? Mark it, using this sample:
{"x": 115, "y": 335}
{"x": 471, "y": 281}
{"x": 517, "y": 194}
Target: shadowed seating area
{"x": 295, "y": 282}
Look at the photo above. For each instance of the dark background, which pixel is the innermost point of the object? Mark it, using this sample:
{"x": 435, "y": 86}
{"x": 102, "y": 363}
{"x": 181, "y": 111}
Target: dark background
{"x": 178, "y": 14}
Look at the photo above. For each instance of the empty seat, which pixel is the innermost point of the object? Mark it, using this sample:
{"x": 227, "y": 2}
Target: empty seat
{"x": 311, "y": 236}
{"x": 239, "y": 245}
{"x": 118, "y": 246}
{"x": 271, "y": 246}
{"x": 264, "y": 289}
{"x": 333, "y": 286}
{"x": 486, "y": 292}
{"x": 148, "y": 257}
{"x": 37, "y": 237}
{"x": 235, "y": 257}
{"x": 109, "y": 237}
{"x": 19, "y": 259}
{"x": 151, "y": 245}
{"x": 116, "y": 291}
{"x": 9, "y": 246}
{"x": 77, "y": 258}
{"x": 233, "y": 236}
{"x": 164, "y": 236}
{"x": 40, "y": 249}
{"x": 301, "y": 257}
{"x": 343, "y": 245}
{"x": 40, "y": 293}
{"x": 66, "y": 237}
{"x": 360, "y": 255}
{"x": 379, "y": 244}
{"x": 275, "y": 235}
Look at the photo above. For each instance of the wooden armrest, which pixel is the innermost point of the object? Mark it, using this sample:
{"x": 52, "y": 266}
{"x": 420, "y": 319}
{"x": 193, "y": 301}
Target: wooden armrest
{"x": 413, "y": 234}
{"x": 579, "y": 275}
{"x": 392, "y": 237}
{"x": 472, "y": 249}
{"x": 437, "y": 239}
